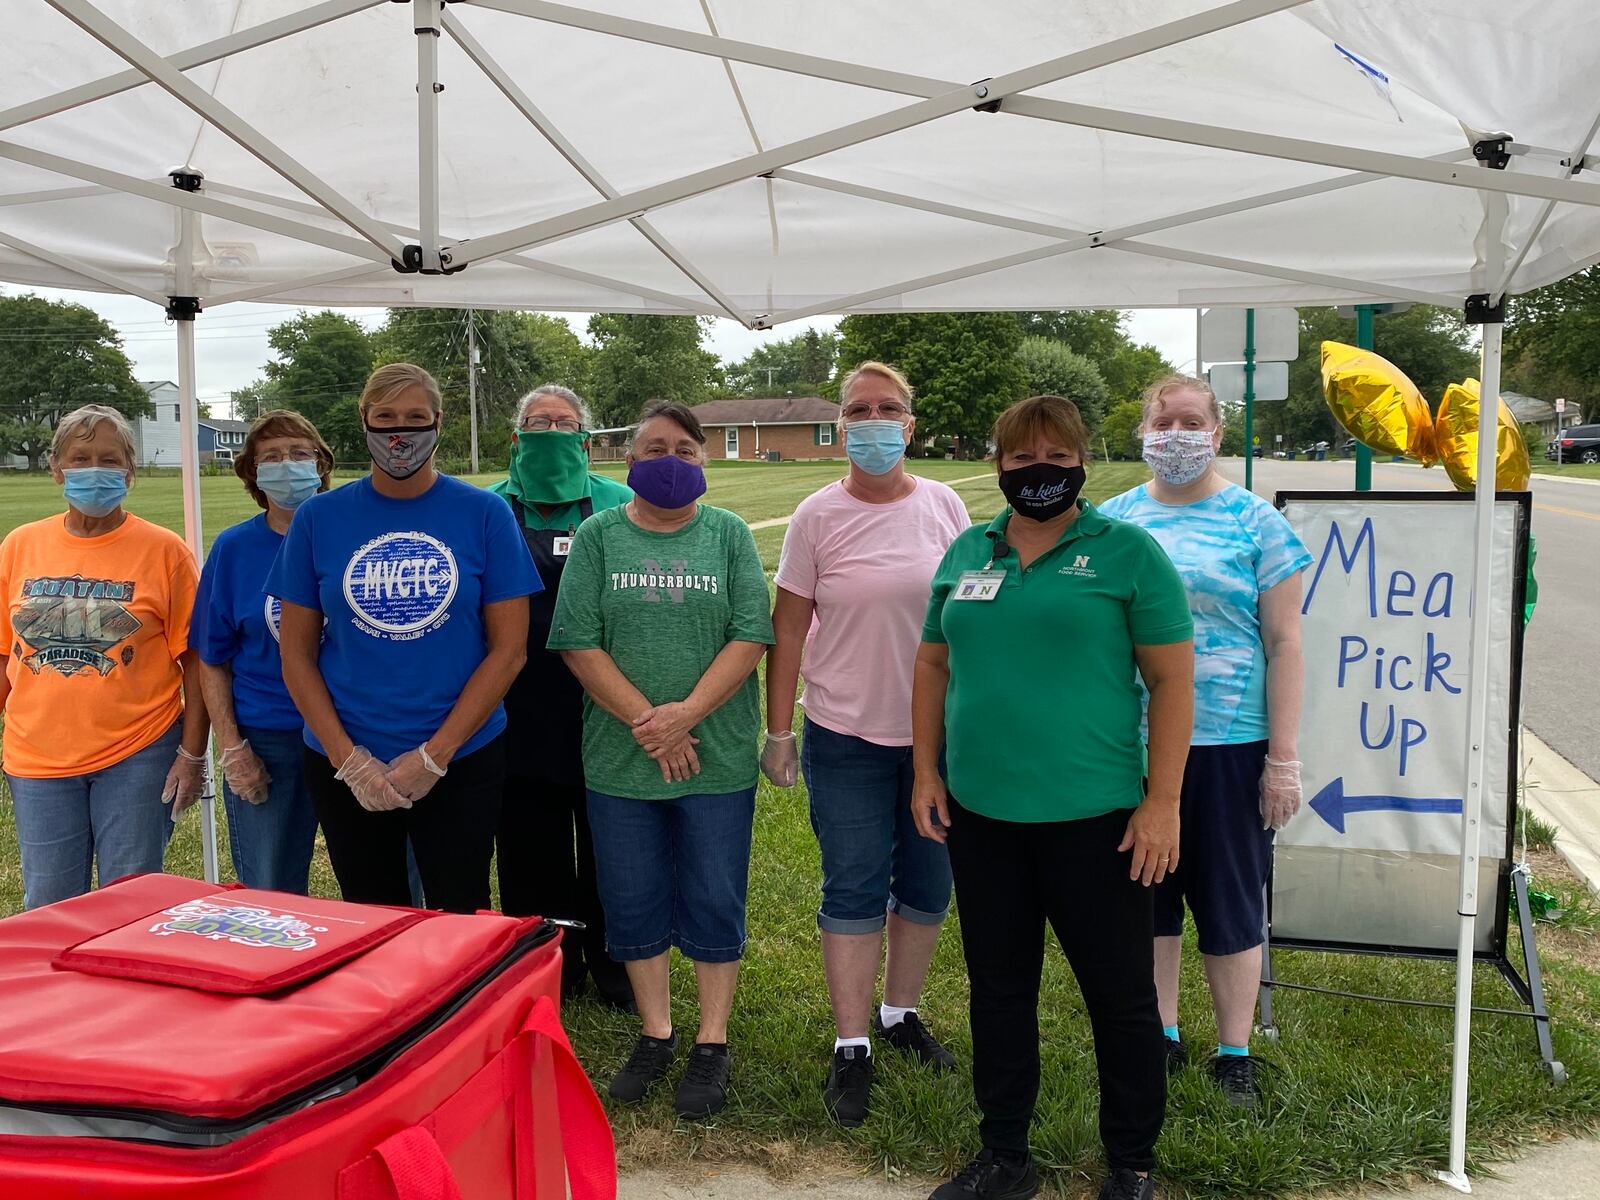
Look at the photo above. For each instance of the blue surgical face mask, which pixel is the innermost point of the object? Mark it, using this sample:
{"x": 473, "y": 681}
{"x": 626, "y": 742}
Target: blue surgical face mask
{"x": 288, "y": 484}
{"x": 875, "y": 446}
{"x": 95, "y": 491}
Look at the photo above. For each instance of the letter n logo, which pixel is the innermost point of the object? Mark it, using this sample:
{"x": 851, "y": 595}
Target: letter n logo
{"x": 1081, "y": 561}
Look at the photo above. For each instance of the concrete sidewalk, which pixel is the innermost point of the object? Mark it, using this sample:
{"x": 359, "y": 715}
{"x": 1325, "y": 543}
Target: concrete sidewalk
{"x": 1565, "y": 1170}
{"x": 1563, "y": 796}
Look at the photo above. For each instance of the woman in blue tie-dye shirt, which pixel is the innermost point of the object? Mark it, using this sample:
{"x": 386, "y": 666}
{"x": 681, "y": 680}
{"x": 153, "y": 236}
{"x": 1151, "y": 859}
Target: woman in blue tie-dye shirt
{"x": 1241, "y": 565}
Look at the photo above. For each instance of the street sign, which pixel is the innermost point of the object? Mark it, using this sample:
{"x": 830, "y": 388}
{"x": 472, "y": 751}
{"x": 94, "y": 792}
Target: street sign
{"x": 1277, "y": 437}
{"x": 1227, "y": 381}
{"x": 1561, "y": 404}
{"x": 1277, "y": 334}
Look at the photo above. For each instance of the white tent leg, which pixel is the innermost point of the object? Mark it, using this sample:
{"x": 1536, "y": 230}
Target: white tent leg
{"x": 1495, "y": 210}
{"x": 189, "y": 431}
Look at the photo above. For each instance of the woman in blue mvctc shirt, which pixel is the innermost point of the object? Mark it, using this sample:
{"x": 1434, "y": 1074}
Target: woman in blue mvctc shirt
{"x": 424, "y": 583}
{"x": 272, "y": 826}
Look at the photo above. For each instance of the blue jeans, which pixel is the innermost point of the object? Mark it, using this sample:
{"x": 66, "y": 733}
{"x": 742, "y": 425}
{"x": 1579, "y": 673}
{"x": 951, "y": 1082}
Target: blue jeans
{"x": 874, "y": 861}
{"x": 272, "y": 841}
{"x": 673, "y": 873}
{"x": 114, "y": 817}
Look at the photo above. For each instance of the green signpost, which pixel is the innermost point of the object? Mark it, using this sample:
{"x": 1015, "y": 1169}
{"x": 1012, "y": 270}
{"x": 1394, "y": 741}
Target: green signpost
{"x": 1364, "y": 314}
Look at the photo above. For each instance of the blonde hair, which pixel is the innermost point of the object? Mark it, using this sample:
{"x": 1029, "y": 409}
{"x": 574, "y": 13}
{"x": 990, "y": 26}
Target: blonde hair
{"x": 883, "y": 371}
{"x": 390, "y": 380}
{"x": 1174, "y": 383}
{"x": 82, "y": 422}
{"x": 1056, "y": 417}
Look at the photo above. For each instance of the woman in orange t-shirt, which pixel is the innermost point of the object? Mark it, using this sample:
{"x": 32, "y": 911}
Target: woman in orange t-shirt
{"x": 94, "y": 668}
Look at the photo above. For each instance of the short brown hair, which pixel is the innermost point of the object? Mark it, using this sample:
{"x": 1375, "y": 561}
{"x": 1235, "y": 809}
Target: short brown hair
{"x": 1056, "y": 417}
{"x": 280, "y": 422}
{"x": 391, "y": 379}
{"x": 679, "y": 414}
{"x": 1151, "y": 400}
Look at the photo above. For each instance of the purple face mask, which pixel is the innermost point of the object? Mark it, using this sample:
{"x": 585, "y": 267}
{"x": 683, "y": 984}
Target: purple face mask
{"x": 668, "y": 481}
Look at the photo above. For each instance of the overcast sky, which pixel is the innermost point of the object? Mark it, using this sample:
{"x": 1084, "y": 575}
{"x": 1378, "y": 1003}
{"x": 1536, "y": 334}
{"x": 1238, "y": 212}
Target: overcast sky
{"x": 231, "y": 342}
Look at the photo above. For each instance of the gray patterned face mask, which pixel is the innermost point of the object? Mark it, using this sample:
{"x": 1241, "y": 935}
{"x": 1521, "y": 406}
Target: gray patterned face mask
{"x": 1179, "y": 456}
{"x": 399, "y": 452}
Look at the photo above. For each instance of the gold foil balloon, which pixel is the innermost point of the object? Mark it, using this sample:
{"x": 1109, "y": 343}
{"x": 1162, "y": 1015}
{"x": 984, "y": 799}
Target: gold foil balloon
{"x": 1376, "y": 403}
{"x": 1456, "y": 428}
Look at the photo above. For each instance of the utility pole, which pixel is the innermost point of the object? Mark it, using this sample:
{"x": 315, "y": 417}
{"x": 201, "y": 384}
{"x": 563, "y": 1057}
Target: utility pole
{"x": 472, "y": 381}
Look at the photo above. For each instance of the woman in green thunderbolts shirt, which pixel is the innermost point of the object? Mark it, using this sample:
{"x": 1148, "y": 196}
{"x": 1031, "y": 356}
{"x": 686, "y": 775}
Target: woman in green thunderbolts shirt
{"x": 1039, "y": 626}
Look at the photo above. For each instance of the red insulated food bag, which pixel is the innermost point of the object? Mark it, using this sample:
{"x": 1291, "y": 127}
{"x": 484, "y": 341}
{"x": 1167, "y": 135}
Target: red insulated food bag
{"x": 166, "y": 1037}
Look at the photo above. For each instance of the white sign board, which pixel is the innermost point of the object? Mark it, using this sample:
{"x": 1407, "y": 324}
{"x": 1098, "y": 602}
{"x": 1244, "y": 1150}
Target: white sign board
{"x": 1561, "y": 404}
{"x": 1227, "y": 381}
{"x": 1371, "y": 859}
{"x": 1277, "y": 334}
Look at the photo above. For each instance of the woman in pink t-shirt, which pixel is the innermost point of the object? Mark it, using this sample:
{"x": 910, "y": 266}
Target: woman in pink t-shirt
{"x": 852, "y": 588}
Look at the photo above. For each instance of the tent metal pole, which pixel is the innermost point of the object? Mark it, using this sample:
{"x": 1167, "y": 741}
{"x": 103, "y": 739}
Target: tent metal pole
{"x": 1335, "y": 283}
{"x": 425, "y": 19}
{"x": 87, "y": 270}
{"x": 279, "y": 288}
{"x": 182, "y": 307}
{"x": 579, "y": 162}
{"x": 1496, "y": 208}
{"x": 1570, "y": 166}
{"x": 185, "y": 60}
{"x": 140, "y": 56}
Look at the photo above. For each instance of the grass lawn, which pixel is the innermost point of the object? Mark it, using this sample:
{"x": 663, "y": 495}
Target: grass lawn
{"x": 1359, "y": 1091}
{"x": 1542, "y": 466}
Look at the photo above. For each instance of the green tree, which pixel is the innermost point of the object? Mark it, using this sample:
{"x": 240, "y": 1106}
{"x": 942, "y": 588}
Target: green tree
{"x": 1095, "y": 333}
{"x": 1054, "y": 368}
{"x": 54, "y": 357}
{"x": 963, "y": 366}
{"x": 517, "y": 351}
{"x": 801, "y": 365}
{"x": 644, "y": 357}
{"x": 323, "y": 360}
{"x": 1552, "y": 343}
{"x": 1119, "y": 430}
{"x": 1131, "y": 369}
{"x": 250, "y": 401}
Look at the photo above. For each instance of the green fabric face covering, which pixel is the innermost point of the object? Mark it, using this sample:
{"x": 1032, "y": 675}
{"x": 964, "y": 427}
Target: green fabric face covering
{"x": 550, "y": 467}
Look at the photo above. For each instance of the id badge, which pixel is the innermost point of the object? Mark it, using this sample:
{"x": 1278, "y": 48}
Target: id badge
{"x": 978, "y": 585}
{"x": 561, "y": 547}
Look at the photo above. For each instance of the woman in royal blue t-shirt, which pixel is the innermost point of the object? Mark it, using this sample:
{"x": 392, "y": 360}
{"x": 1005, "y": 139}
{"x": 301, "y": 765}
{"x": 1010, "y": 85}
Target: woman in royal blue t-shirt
{"x": 424, "y": 582}
{"x": 272, "y": 826}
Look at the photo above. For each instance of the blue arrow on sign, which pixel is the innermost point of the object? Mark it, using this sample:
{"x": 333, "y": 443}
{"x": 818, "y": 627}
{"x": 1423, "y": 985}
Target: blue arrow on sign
{"x": 1332, "y": 805}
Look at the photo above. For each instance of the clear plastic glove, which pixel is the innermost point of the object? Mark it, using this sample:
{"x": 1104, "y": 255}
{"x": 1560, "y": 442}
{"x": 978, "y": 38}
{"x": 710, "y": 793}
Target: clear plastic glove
{"x": 368, "y": 783}
{"x": 410, "y": 775}
{"x": 185, "y": 781}
{"x": 779, "y": 760}
{"x": 1280, "y": 792}
{"x": 245, "y": 773}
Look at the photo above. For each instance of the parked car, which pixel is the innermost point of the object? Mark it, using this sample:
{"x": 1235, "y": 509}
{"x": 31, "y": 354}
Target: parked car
{"x": 1581, "y": 443}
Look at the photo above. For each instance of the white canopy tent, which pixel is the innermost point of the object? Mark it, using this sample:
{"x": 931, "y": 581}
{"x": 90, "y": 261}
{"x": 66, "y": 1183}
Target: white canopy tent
{"x": 768, "y": 162}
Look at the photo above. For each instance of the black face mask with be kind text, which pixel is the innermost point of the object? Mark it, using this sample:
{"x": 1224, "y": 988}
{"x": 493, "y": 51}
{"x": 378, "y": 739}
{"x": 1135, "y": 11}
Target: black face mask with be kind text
{"x": 1042, "y": 490}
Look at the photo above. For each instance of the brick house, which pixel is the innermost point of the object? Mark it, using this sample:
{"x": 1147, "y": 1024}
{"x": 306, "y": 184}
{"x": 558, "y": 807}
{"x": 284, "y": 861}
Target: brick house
{"x": 793, "y": 426}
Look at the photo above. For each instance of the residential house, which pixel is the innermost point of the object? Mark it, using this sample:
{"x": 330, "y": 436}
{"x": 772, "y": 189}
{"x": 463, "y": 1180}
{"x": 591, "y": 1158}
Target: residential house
{"x": 158, "y": 438}
{"x": 1537, "y": 418}
{"x": 782, "y": 427}
{"x": 220, "y": 439}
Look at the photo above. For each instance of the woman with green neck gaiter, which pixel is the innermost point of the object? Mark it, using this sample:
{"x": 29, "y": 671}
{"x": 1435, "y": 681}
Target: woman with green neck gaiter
{"x": 545, "y": 858}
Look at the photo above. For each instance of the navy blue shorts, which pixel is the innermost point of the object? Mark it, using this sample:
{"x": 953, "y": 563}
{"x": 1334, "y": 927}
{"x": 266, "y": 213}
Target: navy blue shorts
{"x": 1223, "y": 853}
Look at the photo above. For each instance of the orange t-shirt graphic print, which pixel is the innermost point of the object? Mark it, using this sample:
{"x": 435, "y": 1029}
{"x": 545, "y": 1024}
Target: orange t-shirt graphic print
{"x": 92, "y": 629}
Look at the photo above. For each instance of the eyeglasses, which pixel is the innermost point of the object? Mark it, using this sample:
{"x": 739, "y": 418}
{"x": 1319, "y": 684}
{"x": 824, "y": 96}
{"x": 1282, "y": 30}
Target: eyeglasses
{"x": 545, "y": 424}
{"x": 298, "y": 454}
{"x": 890, "y": 410}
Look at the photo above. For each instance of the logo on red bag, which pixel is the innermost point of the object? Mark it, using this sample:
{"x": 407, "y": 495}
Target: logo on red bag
{"x": 240, "y": 924}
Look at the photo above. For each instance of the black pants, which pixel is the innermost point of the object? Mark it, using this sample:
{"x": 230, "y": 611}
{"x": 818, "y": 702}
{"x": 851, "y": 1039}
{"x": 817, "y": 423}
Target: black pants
{"x": 545, "y": 860}
{"x": 1012, "y": 877}
{"x": 451, "y": 831}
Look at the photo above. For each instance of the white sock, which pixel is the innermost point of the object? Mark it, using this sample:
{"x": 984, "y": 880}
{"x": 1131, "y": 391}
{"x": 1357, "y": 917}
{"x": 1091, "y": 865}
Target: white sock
{"x": 889, "y": 1016}
{"x": 864, "y": 1043}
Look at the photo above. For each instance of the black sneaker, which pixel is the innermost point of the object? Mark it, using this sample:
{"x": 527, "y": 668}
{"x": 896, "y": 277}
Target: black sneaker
{"x": 1177, "y": 1055}
{"x": 703, "y": 1090}
{"x": 1236, "y": 1076}
{"x": 848, "y": 1091}
{"x": 989, "y": 1178}
{"x": 645, "y": 1066}
{"x": 1123, "y": 1184}
{"x": 912, "y": 1036}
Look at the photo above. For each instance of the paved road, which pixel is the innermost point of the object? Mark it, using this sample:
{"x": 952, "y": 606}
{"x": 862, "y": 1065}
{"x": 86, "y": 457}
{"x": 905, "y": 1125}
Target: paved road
{"x": 1561, "y": 661}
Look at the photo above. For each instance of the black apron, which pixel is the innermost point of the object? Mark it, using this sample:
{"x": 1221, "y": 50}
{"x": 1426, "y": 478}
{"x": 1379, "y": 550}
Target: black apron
{"x": 544, "y": 706}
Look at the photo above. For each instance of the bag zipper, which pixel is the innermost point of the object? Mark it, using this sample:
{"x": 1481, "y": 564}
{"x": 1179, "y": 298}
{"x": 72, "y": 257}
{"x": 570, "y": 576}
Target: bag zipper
{"x": 221, "y": 1130}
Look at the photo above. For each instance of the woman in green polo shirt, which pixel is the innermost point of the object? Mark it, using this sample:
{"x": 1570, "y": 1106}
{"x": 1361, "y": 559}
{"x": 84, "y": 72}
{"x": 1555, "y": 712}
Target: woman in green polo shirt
{"x": 1038, "y": 628}
{"x": 543, "y": 851}
{"x": 663, "y": 617}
